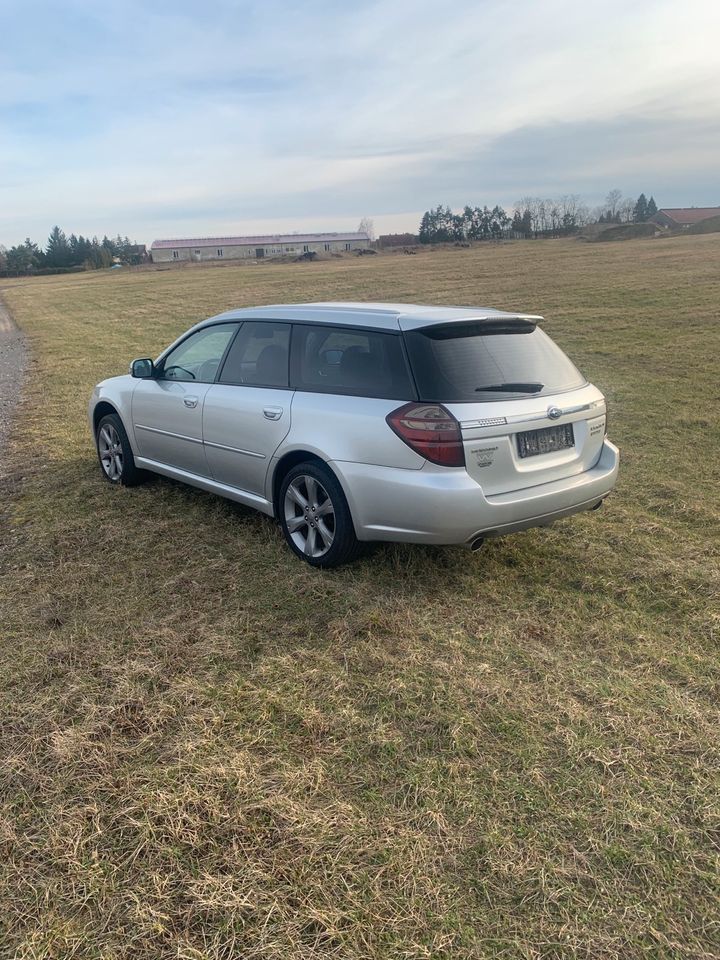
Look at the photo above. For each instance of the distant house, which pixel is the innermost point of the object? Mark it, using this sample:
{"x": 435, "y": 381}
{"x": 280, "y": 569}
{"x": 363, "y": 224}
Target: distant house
{"x": 680, "y": 218}
{"x": 256, "y": 248}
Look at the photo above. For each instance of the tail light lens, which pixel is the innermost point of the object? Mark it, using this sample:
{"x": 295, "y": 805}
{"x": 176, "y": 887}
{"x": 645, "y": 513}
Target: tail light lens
{"x": 430, "y": 430}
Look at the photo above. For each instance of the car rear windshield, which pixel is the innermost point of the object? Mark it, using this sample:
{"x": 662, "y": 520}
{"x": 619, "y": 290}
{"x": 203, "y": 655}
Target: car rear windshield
{"x": 470, "y": 363}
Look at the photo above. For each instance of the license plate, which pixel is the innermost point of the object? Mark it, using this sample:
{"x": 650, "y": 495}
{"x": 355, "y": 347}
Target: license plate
{"x": 534, "y": 442}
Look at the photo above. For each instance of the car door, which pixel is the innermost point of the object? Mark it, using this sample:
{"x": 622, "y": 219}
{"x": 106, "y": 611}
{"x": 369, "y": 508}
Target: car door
{"x": 167, "y": 410}
{"x": 246, "y": 414}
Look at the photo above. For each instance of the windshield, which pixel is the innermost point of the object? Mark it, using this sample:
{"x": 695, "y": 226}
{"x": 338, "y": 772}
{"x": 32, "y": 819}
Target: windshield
{"x": 470, "y": 363}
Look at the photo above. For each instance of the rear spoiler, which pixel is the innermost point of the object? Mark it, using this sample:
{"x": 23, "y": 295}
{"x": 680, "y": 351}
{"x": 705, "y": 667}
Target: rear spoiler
{"x": 478, "y": 326}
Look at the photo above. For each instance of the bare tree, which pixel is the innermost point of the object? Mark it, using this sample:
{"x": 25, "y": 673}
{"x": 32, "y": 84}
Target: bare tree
{"x": 613, "y": 201}
{"x": 582, "y": 214}
{"x": 367, "y": 226}
{"x": 626, "y": 210}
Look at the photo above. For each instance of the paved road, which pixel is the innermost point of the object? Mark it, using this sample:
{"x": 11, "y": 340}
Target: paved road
{"x": 13, "y": 359}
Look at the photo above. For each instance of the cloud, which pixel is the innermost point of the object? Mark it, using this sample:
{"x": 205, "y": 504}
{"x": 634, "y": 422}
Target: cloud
{"x": 147, "y": 121}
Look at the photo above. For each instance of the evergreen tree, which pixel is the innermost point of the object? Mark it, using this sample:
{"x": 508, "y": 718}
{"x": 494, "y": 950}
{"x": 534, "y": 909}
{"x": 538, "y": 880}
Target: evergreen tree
{"x": 651, "y": 208}
{"x": 640, "y": 210}
{"x": 57, "y": 251}
{"x": 425, "y": 231}
{"x": 23, "y": 258}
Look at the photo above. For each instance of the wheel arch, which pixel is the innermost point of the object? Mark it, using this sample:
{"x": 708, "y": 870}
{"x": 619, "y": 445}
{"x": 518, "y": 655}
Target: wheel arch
{"x": 286, "y": 463}
{"x": 291, "y": 459}
{"x": 102, "y": 409}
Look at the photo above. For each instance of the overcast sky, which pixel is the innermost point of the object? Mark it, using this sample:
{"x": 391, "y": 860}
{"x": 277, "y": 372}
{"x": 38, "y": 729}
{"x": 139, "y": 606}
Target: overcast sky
{"x": 204, "y": 117}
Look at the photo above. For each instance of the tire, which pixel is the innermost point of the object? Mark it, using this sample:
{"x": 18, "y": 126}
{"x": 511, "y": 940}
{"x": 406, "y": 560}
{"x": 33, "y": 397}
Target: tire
{"x": 115, "y": 453}
{"x": 323, "y": 536}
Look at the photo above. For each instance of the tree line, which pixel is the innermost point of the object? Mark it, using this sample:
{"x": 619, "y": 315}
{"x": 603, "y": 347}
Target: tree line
{"x": 619, "y": 210}
{"x": 441, "y": 225}
{"x": 533, "y": 218}
{"x": 65, "y": 254}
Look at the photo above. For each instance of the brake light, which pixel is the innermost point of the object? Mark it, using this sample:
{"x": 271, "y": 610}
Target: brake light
{"x": 430, "y": 430}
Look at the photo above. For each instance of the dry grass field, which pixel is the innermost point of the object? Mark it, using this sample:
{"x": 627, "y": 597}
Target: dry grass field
{"x": 210, "y": 751}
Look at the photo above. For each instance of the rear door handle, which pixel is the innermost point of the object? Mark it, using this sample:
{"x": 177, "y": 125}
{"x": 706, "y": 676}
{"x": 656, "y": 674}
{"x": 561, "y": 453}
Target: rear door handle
{"x": 273, "y": 413}
{"x": 191, "y": 402}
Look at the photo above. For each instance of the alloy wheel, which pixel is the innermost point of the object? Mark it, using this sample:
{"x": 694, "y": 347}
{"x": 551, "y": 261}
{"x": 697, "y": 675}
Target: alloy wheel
{"x": 110, "y": 450}
{"x": 309, "y": 516}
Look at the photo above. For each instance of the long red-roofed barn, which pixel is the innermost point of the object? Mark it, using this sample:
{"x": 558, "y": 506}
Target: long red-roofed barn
{"x": 257, "y": 247}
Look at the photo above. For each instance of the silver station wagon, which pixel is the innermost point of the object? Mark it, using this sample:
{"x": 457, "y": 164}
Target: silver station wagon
{"x": 353, "y": 422}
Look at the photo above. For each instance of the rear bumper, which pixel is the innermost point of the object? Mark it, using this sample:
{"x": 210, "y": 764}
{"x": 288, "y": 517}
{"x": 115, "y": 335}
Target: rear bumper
{"x": 446, "y": 506}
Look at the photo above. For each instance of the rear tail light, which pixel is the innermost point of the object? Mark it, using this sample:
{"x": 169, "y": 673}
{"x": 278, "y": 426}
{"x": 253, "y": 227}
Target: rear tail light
{"x": 430, "y": 430}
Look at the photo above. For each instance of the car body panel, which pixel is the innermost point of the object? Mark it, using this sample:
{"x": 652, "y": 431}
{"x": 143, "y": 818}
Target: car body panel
{"x": 349, "y": 428}
{"x": 242, "y": 428}
{"x": 208, "y": 484}
{"x": 167, "y": 423}
{"x": 490, "y": 429}
{"x": 444, "y": 505}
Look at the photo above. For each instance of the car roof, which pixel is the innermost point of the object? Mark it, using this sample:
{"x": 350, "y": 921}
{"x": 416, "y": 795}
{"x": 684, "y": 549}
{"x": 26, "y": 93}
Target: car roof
{"x": 380, "y": 316}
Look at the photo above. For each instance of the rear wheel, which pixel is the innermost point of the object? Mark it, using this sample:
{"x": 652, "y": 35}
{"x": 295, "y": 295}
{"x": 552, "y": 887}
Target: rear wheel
{"x": 315, "y": 516}
{"x": 115, "y": 453}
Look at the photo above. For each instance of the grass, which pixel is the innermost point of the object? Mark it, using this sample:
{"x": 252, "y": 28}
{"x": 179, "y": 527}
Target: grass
{"x": 211, "y": 751}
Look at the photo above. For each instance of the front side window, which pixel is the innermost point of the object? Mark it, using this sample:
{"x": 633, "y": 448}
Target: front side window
{"x": 259, "y": 355}
{"x": 473, "y": 362}
{"x": 345, "y": 361}
{"x": 198, "y": 356}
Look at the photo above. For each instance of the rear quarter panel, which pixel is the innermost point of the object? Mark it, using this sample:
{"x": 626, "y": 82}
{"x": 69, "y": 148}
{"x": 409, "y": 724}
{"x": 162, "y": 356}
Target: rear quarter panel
{"x": 343, "y": 428}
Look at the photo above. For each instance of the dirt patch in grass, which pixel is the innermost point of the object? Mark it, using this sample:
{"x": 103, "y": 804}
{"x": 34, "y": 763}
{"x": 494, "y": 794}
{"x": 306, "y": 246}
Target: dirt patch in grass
{"x": 209, "y": 750}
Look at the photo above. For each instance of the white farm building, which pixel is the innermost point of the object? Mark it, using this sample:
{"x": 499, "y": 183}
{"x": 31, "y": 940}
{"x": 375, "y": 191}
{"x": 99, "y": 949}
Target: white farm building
{"x": 255, "y": 248}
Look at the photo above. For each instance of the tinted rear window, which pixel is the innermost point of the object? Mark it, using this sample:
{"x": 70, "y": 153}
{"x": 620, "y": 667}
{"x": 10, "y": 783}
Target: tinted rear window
{"x": 349, "y": 361}
{"x": 470, "y": 363}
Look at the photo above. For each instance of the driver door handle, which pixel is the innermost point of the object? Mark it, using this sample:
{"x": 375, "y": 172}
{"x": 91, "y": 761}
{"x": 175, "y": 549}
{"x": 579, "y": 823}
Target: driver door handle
{"x": 190, "y": 402}
{"x": 273, "y": 413}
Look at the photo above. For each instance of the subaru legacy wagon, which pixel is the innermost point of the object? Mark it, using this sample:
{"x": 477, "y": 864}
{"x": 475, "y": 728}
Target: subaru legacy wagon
{"x": 354, "y": 422}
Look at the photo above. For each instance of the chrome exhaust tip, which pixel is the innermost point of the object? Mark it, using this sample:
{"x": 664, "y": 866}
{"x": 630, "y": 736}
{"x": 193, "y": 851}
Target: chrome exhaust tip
{"x": 477, "y": 543}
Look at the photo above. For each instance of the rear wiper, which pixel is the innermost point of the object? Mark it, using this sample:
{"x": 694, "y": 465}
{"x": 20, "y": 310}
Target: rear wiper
{"x": 511, "y": 388}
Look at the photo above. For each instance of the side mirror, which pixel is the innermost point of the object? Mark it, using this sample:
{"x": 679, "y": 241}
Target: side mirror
{"x": 142, "y": 369}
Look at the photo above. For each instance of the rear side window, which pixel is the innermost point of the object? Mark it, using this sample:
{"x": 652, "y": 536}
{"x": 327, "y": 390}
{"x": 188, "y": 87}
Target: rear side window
{"x": 345, "y": 361}
{"x": 259, "y": 355}
{"x": 470, "y": 363}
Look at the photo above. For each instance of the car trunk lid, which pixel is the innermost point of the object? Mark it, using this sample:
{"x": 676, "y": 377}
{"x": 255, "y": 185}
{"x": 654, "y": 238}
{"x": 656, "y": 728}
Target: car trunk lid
{"x": 514, "y": 444}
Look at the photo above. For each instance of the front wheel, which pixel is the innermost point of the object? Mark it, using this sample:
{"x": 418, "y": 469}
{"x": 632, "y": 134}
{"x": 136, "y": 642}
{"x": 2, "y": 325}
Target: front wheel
{"x": 115, "y": 453}
{"x": 315, "y": 516}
